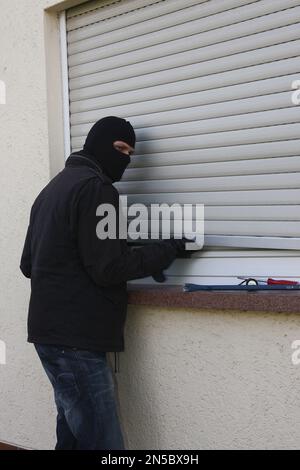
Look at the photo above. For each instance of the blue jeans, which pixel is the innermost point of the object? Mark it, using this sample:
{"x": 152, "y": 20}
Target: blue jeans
{"x": 84, "y": 394}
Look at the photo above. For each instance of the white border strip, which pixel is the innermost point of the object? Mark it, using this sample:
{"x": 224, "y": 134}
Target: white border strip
{"x": 286, "y": 243}
{"x": 65, "y": 82}
{"x": 239, "y": 241}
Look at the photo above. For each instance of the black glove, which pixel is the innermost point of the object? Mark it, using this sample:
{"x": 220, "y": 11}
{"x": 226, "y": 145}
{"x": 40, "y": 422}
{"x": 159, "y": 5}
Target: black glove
{"x": 159, "y": 276}
{"x": 179, "y": 244}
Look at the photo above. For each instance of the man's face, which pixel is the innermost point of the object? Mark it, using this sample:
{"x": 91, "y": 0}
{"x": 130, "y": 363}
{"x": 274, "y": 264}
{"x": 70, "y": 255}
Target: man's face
{"x": 123, "y": 147}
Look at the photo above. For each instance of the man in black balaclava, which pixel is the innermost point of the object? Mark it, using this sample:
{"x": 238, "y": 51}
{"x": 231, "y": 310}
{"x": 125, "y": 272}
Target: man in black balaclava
{"x": 78, "y": 301}
{"x": 104, "y": 141}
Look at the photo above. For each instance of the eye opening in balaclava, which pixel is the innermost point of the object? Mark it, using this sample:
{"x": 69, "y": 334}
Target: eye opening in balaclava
{"x": 99, "y": 142}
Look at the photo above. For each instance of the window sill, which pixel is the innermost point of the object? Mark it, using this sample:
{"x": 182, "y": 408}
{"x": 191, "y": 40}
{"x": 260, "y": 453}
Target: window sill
{"x": 173, "y": 296}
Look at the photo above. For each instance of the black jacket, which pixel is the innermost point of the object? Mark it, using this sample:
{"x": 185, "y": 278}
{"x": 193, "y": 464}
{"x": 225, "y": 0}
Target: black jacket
{"x": 78, "y": 281}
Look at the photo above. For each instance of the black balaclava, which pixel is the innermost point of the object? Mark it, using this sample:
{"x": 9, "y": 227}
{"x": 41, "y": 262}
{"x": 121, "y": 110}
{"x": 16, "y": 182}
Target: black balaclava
{"x": 99, "y": 143}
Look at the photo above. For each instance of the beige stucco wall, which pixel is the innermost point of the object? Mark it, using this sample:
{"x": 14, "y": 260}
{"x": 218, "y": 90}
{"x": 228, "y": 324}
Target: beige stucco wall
{"x": 207, "y": 380}
{"x": 188, "y": 379}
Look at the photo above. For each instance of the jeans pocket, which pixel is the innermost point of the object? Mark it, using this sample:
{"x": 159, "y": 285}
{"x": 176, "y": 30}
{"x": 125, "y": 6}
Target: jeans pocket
{"x": 47, "y": 349}
{"x": 84, "y": 354}
{"x": 66, "y": 390}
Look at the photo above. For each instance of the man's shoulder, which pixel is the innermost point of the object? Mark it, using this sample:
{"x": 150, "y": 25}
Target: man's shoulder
{"x": 94, "y": 191}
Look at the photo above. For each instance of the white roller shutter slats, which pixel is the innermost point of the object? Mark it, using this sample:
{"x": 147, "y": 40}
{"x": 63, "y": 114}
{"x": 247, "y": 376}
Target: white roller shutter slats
{"x": 207, "y": 86}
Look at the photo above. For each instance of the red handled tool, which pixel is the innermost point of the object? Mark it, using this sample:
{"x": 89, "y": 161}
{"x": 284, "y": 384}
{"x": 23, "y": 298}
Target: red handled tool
{"x": 270, "y": 281}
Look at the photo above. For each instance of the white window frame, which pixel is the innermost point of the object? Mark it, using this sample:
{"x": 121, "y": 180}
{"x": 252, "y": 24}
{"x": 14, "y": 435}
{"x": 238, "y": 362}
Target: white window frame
{"x": 65, "y": 82}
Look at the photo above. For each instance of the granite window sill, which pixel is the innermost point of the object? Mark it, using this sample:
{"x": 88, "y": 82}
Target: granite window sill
{"x": 173, "y": 296}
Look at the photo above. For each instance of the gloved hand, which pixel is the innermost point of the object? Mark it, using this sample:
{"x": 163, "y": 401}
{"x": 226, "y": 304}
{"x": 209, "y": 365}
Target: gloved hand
{"x": 179, "y": 244}
{"x": 159, "y": 276}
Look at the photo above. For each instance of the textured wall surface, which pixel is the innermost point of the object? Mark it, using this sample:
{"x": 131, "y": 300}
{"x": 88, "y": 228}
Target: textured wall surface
{"x": 188, "y": 379}
{"x": 206, "y": 380}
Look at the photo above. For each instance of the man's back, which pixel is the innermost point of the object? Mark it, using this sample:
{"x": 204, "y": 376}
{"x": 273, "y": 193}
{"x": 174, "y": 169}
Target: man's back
{"x": 66, "y": 306}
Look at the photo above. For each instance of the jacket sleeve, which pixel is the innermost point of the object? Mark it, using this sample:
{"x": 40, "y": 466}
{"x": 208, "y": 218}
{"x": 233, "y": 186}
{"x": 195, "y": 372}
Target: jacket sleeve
{"x": 25, "y": 263}
{"x": 111, "y": 261}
